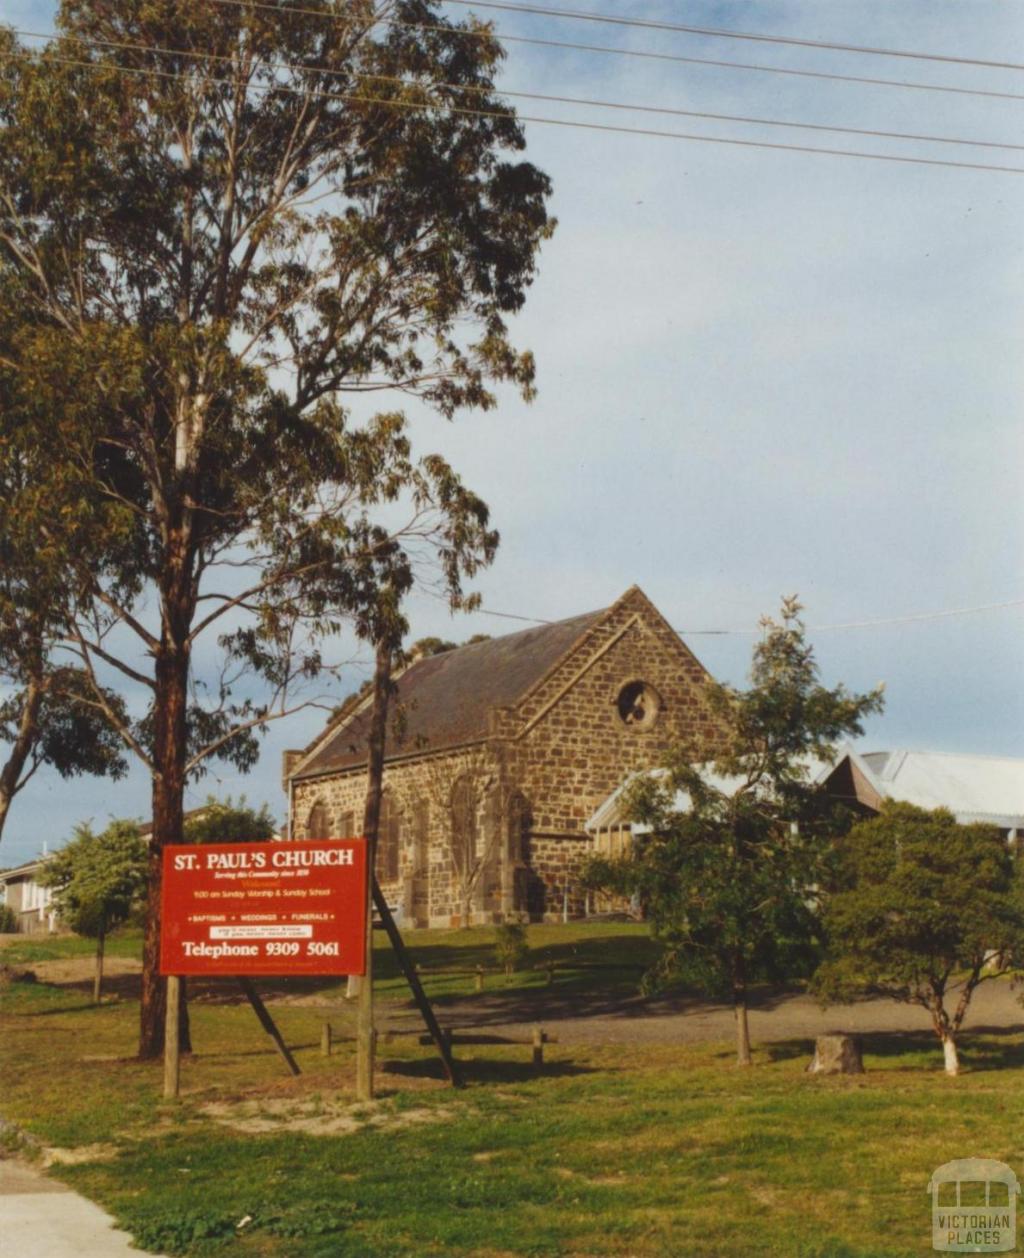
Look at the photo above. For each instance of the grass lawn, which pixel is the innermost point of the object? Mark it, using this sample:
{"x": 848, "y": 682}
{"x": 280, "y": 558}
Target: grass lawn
{"x": 647, "y": 1150}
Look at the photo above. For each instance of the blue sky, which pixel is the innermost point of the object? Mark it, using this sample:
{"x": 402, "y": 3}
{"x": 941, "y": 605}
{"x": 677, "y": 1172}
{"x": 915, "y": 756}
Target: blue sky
{"x": 759, "y": 372}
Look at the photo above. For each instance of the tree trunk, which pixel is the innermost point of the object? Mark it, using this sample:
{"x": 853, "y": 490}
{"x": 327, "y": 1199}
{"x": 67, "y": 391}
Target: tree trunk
{"x": 5, "y": 808}
{"x": 365, "y": 1030}
{"x": 949, "y": 1054}
{"x": 739, "y": 1004}
{"x": 97, "y": 982}
{"x": 28, "y": 732}
{"x": 169, "y": 752}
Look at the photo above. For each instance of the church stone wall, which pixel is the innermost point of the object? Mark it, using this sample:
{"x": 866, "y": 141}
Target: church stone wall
{"x": 565, "y": 746}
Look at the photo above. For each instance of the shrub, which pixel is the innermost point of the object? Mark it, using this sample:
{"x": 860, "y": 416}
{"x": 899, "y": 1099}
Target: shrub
{"x": 8, "y": 920}
{"x": 510, "y": 946}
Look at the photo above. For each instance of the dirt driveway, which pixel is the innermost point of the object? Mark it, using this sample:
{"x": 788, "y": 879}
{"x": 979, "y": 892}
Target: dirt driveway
{"x": 596, "y": 1019}
{"x": 690, "y": 1019}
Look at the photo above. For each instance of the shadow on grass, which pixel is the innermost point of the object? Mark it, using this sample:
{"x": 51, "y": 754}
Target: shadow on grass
{"x": 62, "y": 1009}
{"x": 982, "y": 1048}
{"x": 578, "y": 999}
{"x": 476, "y": 1070}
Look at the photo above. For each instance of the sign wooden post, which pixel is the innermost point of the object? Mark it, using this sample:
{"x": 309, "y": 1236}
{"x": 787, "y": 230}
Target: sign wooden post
{"x": 172, "y": 1057}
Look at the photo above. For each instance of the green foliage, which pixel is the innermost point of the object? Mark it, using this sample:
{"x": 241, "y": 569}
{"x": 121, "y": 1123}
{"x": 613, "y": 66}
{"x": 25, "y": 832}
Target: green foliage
{"x": 734, "y": 839}
{"x": 179, "y": 1231}
{"x": 98, "y": 879}
{"x": 199, "y": 259}
{"x": 8, "y": 920}
{"x": 51, "y": 711}
{"x": 223, "y": 821}
{"x": 425, "y": 647}
{"x": 320, "y": 1218}
{"x": 923, "y": 903}
{"x": 431, "y": 646}
{"x": 510, "y": 946}
{"x": 201, "y": 256}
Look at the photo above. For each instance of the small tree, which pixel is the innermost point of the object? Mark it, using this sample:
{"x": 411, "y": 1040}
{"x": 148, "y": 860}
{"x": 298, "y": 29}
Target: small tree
{"x": 97, "y": 881}
{"x": 511, "y": 947}
{"x": 223, "y": 821}
{"x": 926, "y": 904}
{"x": 736, "y": 838}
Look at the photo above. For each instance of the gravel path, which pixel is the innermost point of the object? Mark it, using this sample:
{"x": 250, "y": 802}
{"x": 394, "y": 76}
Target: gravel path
{"x": 597, "y": 1019}
{"x": 690, "y": 1020}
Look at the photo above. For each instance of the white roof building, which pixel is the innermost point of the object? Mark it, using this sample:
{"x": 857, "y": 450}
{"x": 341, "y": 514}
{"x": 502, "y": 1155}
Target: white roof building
{"x": 974, "y": 788}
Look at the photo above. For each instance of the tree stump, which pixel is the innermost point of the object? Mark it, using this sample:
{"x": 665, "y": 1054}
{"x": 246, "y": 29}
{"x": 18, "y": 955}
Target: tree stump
{"x": 836, "y": 1055}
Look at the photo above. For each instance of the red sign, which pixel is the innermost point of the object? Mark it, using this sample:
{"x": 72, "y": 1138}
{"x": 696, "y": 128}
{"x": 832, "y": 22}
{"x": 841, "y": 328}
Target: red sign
{"x": 264, "y": 908}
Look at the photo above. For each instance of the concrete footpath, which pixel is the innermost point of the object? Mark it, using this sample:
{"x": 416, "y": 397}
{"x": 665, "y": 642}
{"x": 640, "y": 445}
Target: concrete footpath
{"x": 41, "y": 1218}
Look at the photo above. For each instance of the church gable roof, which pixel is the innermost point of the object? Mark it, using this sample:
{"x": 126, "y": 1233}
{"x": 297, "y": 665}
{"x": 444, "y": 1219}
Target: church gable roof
{"x": 445, "y": 699}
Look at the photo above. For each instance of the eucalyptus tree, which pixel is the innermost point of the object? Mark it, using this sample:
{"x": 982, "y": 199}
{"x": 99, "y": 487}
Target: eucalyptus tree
{"x": 230, "y": 226}
{"x": 47, "y": 711}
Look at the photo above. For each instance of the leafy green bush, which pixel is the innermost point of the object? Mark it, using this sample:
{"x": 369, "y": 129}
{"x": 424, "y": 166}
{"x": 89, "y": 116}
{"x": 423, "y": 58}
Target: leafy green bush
{"x": 510, "y": 947}
{"x": 311, "y": 1219}
{"x": 177, "y": 1231}
{"x": 8, "y": 920}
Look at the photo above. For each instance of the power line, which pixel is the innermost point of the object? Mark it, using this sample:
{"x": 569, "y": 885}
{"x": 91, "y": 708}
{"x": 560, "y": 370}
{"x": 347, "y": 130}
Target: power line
{"x": 550, "y": 99}
{"x": 391, "y": 103}
{"x": 719, "y": 33}
{"x": 504, "y": 37}
{"x": 852, "y": 624}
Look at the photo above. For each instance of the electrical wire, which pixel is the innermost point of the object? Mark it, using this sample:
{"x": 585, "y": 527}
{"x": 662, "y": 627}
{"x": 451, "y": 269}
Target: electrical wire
{"x": 550, "y": 99}
{"x": 852, "y": 624}
{"x": 391, "y": 103}
{"x": 719, "y": 33}
{"x": 505, "y": 37}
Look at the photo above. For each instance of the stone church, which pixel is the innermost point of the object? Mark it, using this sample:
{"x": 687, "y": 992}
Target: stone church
{"x": 497, "y": 754}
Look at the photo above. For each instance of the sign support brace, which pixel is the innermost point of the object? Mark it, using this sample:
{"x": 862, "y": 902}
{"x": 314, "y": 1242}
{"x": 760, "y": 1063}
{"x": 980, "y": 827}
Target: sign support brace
{"x": 268, "y": 1023}
{"x": 416, "y": 987}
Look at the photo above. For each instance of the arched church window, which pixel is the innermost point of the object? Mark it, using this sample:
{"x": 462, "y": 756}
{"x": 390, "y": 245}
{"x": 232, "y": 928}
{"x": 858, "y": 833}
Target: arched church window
{"x": 389, "y": 838}
{"x": 463, "y": 807}
{"x": 517, "y": 827}
{"x": 318, "y": 823}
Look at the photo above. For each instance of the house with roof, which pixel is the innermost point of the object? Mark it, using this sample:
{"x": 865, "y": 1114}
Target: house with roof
{"x": 987, "y": 789}
{"x": 29, "y": 901}
{"x": 497, "y": 754}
